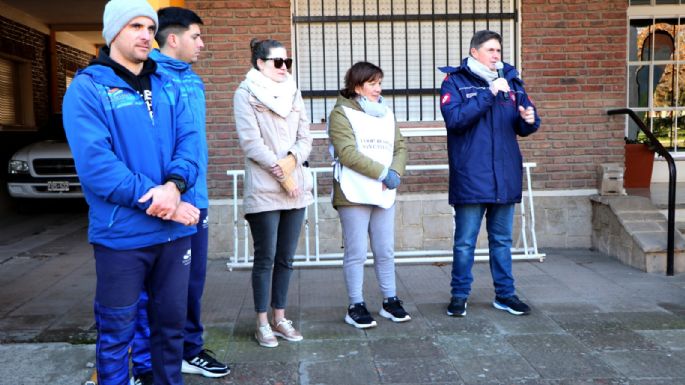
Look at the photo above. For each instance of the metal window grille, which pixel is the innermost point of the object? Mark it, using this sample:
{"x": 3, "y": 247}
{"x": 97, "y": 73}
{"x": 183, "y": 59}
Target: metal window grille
{"x": 655, "y": 2}
{"x": 408, "y": 39}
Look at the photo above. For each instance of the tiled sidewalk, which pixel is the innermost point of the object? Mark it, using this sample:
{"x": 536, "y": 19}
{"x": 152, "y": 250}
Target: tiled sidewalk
{"x": 594, "y": 321}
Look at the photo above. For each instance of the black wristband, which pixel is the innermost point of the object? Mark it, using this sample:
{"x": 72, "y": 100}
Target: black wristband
{"x": 178, "y": 181}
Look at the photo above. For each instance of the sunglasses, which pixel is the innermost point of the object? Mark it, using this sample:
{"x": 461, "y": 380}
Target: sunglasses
{"x": 278, "y": 61}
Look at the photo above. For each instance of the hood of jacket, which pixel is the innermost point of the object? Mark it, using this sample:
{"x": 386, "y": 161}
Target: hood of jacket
{"x": 119, "y": 72}
{"x": 168, "y": 61}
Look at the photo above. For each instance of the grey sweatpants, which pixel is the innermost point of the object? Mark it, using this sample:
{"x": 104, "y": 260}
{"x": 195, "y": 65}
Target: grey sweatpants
{"x": 379, "y": 224}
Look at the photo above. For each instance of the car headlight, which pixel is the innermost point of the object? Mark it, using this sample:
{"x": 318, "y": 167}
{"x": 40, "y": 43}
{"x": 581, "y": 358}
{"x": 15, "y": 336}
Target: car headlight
{"x": 18, "y": 167}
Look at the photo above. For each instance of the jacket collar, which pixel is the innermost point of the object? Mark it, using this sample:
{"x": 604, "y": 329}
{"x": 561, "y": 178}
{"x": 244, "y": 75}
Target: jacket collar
{"x": 510, "y": 71}
{"x": 168, "y": 61}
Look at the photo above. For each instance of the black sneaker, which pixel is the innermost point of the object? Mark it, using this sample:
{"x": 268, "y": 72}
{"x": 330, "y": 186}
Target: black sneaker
{"x": 205, "y": 365}
{"x": 511, "y": 304}
{"x": 457, "y": 307}
{"x": 359, "y": 317}
{"x": 392, "y": 309}
{"x": 143, "y": 379}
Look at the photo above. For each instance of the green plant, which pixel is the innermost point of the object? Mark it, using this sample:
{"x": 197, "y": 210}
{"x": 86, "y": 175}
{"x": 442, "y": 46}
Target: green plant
{"x": 640, "y": 139}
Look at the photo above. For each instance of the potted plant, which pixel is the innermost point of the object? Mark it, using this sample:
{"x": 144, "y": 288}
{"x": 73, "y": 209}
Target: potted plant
{"x": 639, "y": 162}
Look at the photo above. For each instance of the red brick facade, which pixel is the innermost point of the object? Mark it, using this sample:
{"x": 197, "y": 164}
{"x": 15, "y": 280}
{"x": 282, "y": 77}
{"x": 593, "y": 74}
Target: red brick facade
{"x": 229, "y": 27}
{"x": 69, "y": 60}
{"x": 572, "y": 60}
{"x": 573, "y": 63}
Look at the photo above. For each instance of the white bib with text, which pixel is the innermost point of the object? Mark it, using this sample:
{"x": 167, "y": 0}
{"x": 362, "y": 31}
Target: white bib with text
{"x": 375, "y": 139}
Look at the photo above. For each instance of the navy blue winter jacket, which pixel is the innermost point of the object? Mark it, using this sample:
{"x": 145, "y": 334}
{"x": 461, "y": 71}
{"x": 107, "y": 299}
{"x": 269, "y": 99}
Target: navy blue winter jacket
{"x": 121, "y": 152}
{"x": 485, "y": 161}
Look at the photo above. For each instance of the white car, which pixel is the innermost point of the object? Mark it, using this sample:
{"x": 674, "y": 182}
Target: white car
{"x": 43, "y": 170}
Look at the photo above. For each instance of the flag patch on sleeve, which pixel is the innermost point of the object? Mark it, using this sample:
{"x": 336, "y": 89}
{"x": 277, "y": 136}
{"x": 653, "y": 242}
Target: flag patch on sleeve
{"x": 445, "y": 99}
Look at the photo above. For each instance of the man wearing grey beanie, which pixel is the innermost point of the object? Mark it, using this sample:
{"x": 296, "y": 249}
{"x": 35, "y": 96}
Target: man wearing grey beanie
{"x": 136, "y": 152}
{"x": 119, "y": 12}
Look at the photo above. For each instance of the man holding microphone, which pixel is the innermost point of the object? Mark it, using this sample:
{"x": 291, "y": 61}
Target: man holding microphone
{"x": 485, "y": 108}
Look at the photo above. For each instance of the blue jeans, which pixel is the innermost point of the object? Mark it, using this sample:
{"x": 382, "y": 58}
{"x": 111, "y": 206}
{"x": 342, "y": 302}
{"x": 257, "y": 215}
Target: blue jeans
{"x": 275, "y": 235}
{"x": 499, "y": 222}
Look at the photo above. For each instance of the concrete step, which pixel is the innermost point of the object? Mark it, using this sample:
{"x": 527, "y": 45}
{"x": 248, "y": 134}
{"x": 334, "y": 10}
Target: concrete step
{"x": 658, "y": 194}
{"x": 632, "y": 229}
{"x": 679, "y": 218}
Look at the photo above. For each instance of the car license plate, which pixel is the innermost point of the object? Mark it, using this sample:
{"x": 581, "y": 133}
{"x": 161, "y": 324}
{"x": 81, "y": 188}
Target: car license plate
{"x": 58, "y": 186}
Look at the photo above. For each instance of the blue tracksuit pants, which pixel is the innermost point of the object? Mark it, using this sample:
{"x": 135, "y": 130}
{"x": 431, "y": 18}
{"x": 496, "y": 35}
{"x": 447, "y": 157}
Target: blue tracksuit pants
{"x": 121, "y": 276}
{"x": 193, "y": 342}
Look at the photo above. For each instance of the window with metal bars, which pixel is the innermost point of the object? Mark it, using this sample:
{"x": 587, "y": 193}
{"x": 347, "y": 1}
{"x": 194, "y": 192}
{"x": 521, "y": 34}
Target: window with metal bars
{"x": 16, "y": 94}
{"x": 408, "y": 39}
{"x": 8, "y": 92}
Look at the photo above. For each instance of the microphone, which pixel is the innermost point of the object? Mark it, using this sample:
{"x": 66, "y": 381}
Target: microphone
{"x": 500, "y": 74}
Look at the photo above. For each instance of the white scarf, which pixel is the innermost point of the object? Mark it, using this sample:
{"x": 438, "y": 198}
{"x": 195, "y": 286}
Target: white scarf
{"x": 277, "y": 96}
{"x": 481, "y": 70}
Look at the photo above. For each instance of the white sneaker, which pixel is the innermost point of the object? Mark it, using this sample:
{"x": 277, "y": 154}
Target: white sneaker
{"x": 284, "y": 329}
{"x": 265, "y": 336}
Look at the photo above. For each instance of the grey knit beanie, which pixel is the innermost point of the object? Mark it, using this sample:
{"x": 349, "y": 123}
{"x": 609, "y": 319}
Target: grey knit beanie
{"x": 119, "y": 12}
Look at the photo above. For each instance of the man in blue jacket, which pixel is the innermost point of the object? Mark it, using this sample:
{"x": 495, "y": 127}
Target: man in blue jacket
{"x": 180, "y": 42}
{"x": 136, "y": 152}
{"x": 484, "y": 109}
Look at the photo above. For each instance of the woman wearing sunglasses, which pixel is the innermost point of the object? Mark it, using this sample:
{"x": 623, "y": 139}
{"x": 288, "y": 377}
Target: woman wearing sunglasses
{"x": 370, "y": 155}
{"x": 273, "y": 129}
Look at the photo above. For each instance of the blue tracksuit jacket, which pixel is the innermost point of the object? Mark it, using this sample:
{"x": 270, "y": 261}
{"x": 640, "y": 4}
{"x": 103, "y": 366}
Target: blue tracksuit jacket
{"x": 121, "y": 152}
{"x": 193, "y": 94}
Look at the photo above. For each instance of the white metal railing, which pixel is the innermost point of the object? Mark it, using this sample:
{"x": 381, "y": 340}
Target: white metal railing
{"x": 525, "y": 248}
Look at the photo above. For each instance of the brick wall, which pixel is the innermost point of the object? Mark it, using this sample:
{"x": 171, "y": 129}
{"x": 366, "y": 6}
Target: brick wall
{"x": 69, "y": 60}
{"x": 229, "y": 27}
{"x": 573, "y": 63}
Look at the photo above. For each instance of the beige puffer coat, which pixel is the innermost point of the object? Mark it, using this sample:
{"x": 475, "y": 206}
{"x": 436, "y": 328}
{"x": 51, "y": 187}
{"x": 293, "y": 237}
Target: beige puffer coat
{"x": 266, "y": 137}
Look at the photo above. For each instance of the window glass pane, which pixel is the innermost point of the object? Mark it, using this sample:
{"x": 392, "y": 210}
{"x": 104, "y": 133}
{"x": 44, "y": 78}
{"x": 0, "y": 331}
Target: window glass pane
{"x": 662, "y": 127}
{"x": 639, "y": 39}
{"x": 639, "y": 2}
{"x": 660, "y": 2}
{"x": 664, "y": 39}
{"x": 638, "y": 87}
{"x": 7, "y": 92}
{"x": 681, "y": 86}
{"x": 663, "y": 86}
{"x": 633, "y": 129}
{"x": 679, "y": 139}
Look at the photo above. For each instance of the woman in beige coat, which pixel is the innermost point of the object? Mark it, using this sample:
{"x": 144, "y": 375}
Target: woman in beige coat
{"x": 273, "y": 129}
